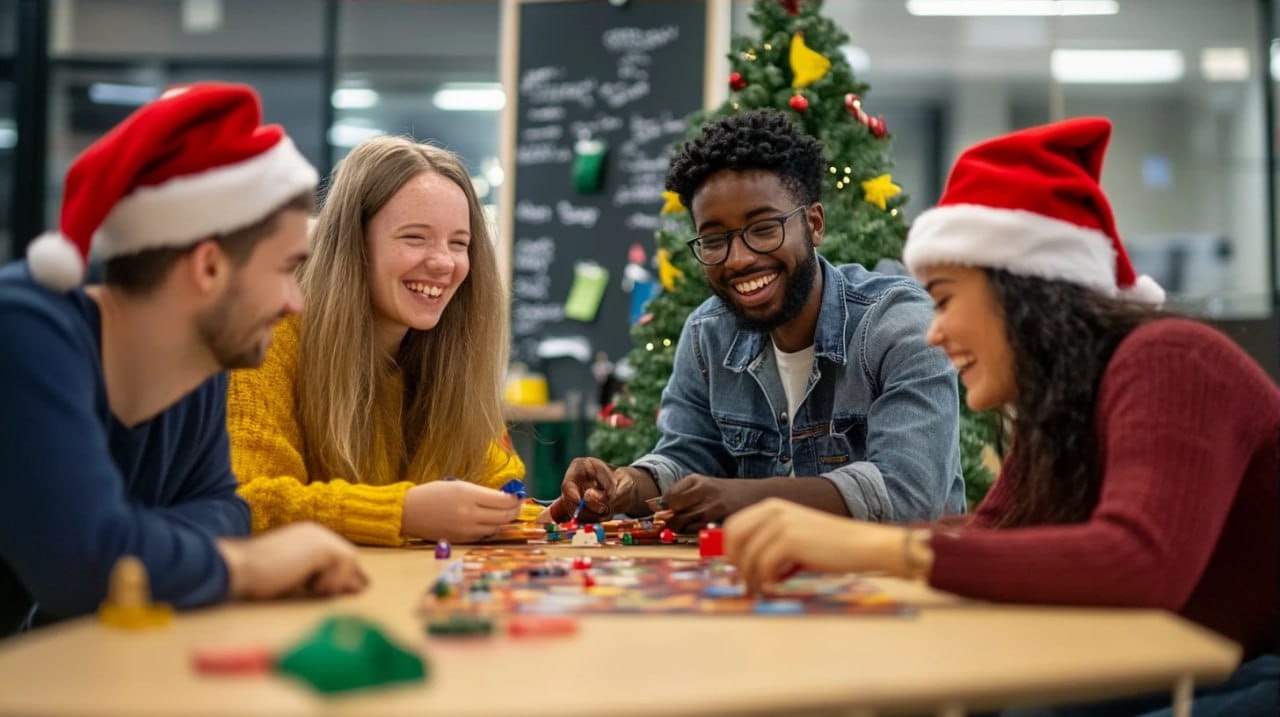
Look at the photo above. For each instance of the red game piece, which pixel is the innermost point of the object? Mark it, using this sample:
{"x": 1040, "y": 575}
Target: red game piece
{"x": 542, "y": 626}
{"x": 583, "y": 563}
{"x": 667, "y": 536}
{"x": 233, "y": 661}
{"x": 711, "y": 541}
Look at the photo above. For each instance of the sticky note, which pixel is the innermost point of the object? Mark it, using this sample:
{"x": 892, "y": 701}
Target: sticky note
{"x": 589, "y": 282}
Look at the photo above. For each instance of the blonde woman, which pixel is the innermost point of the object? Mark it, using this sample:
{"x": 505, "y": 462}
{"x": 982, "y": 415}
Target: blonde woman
{"x": 390, "y": 380}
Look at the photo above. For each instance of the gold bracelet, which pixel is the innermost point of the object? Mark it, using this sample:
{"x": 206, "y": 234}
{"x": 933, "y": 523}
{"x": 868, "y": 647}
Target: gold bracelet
{"x": 917, "y": 554}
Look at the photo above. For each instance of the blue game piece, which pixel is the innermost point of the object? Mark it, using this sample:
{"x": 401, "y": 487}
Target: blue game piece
{"x": 515, "y": 487}
{"x": 599, "y": 532}
{"x": 721, "y": 591}
{"x": 779, "y": 607}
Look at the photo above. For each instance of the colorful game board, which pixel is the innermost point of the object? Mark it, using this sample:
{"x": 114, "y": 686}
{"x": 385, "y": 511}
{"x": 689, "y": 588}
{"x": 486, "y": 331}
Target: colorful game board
{"x": 526, "y": 581}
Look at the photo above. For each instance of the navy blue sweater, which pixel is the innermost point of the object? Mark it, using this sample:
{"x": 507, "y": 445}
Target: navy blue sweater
{"x": 81, "y": 489}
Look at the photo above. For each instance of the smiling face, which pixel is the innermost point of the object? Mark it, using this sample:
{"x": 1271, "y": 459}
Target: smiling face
{"x": 968, "y": 324}
{"x": 768, "y": 292}
{"x": 237, "y": 329}
{"x": 419, "y": 245}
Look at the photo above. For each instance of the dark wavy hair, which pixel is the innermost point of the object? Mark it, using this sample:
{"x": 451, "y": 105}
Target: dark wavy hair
{"x": 760, "y": 139}
{"x": 1062, "y": 337}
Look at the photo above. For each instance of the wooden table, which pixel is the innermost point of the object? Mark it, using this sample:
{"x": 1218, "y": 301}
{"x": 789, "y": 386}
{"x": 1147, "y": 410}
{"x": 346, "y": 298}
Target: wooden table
{"x": 951, "y": 656}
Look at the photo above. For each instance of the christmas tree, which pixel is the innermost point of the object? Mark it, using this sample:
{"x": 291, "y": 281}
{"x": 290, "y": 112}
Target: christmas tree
{"x": 795, "y": 65}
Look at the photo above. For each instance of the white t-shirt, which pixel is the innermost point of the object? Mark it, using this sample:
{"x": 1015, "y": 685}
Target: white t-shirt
{"x": 794, "y": 369}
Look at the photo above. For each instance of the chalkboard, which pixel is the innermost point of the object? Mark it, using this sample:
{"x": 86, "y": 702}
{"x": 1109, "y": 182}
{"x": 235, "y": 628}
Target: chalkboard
{"x": 625, "y": 76}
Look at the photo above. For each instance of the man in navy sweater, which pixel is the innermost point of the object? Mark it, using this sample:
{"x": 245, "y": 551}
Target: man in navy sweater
{"x": 112, "y": 429}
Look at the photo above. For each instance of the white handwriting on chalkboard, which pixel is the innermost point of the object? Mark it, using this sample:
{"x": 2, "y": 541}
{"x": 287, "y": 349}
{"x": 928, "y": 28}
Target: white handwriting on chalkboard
{"x": 645, "y": 129}
{"x": 545, "y": 133}
{"x": 637, "y": 220}
{"x": 634, "y": 39}
{"x": 537, "y": 287}
{"x": 598, "y": 125}
{"x": 527, "y": 318}
{"x": 539, "y": 85}
{"x": 617, "y": 94}
{"x": 577, "y": 216}
{"x": 535, "y": 254}
{"x": 645, "y": 189}
{"x": 550, "y": 113}
{"x": 542, "y": 153}
{"x": 527, "y": 211}
{"x": 631, "y": 66}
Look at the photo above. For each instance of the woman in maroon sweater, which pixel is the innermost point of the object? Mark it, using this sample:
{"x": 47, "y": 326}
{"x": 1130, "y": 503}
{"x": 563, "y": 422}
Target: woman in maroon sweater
{"x": 1143, "y": 461}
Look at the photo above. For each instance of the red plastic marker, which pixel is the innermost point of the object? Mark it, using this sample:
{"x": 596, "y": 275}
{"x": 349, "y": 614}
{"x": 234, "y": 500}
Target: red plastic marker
{"x": 233, "y": 661}
{"x": 711, "y": 542}
{"x": 542, "y": 626}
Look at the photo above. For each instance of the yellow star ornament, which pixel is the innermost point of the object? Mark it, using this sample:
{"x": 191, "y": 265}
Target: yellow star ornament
{"x": 667, "y": 271}
{"x": 671, "y": 203}
{"x": 880, "y": 190}
{"x": 807, "y": 66}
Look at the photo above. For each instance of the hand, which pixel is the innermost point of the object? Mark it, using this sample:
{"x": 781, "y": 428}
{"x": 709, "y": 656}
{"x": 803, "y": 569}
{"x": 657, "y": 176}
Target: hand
{"x": 297, "y": 559}
{"x": 774, "y": 538}
{"x": 456, "y": 510}
{"x": 698, "y": 500}
{"x": 608, "y": 490}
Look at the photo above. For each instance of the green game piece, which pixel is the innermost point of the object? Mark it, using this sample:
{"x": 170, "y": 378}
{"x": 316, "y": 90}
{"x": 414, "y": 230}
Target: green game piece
{"x": 627, "y": 539}
{"x": 347, "y": 653}
{"x": 461, "y": 626}
{"x": 441, "y": 589}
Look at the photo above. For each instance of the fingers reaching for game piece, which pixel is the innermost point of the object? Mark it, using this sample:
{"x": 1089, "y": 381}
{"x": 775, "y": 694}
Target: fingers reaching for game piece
{"x": 769, "y": 541}
{"x": 457, "y": 511}
{"x": 697, "y": 500}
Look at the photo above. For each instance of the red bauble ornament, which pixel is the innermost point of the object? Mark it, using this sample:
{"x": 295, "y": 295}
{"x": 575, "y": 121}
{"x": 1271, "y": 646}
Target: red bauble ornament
{"x": 791, "y": 6}
{"x": 617, "y": 420}
{"x": 736, "y": 81}
{"x": 798, "y": 103}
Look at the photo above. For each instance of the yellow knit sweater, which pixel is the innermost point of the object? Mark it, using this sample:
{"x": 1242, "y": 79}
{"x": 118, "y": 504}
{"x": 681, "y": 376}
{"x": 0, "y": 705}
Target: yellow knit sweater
{"x": 268, "y": 458}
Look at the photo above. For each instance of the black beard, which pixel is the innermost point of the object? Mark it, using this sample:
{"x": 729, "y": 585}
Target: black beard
{"x": 799, "y": 284}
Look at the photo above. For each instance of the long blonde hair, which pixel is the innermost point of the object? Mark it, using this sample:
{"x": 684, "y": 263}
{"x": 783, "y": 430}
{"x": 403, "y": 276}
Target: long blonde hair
{"x": 451, "y": 407}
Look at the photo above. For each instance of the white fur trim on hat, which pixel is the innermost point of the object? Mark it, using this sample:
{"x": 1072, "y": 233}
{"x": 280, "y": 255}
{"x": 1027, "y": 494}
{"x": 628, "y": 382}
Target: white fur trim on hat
{"x": 194, "y": 206}
{"x": 1146, "y": 291}
{"x": 55, "y": 262}
{"x": 1016, "y": 240}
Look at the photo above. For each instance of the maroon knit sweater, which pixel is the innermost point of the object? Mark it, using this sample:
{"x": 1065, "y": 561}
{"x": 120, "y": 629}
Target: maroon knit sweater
{"x": 1188, "y": 518}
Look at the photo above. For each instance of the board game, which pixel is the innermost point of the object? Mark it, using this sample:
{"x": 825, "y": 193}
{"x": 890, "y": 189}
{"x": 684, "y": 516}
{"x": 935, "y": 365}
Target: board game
{"x": 492, "y": 581}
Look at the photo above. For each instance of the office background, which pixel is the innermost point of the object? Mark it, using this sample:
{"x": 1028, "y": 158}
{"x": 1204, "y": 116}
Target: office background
{"x": 1191, "y": 172}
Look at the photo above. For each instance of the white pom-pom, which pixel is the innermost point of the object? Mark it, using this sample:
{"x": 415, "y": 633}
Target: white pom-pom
{"x": 1146, "y": 291}
{"x": 55, "y": 262}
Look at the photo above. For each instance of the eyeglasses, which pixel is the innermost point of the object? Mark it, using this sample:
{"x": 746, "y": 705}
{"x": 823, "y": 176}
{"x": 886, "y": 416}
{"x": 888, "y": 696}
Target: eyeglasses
{"x": 761, "y": 237}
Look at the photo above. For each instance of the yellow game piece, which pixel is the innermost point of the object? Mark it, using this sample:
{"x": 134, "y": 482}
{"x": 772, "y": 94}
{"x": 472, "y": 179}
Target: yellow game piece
{"x": 128, "y": 604}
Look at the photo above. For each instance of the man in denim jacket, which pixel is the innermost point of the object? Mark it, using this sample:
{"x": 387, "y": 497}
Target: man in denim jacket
{"x": 798, "y": 379}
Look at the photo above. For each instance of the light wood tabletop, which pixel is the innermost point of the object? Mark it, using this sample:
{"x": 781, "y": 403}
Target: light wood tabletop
{"x": 949, "y": 656}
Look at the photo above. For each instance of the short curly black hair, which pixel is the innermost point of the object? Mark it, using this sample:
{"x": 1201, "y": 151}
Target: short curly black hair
{"x": 760, "y": 139}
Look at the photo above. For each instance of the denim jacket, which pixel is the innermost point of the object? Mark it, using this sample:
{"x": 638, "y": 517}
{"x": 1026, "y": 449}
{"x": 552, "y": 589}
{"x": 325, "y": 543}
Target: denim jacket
{"x": 880, "y": 415}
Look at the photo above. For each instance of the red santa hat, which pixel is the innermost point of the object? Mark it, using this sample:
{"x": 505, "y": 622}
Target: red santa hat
{"x": 195, "y": 163}
{"x": 1030, "y": 203}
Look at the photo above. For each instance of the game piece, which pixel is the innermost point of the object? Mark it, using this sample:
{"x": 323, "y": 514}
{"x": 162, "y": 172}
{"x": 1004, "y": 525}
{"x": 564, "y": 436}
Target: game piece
{"x": 233, "y": 661}
{"x": 711, "y": 541}
{"x": 588, "y": 581}
{"x": 443, "y": 550}
{"x": 585, "y": 537}
{"x": 582, "y": 503}
{"x": 627, "y": 539}
{"x": 569, "y": 527}
{"x": 656, "y": 503}
{"x": 542, "y": 626}
{"x": 441, "y": 588}
{"x": 128, "y": 604}
{"x": 599, "y": 532}
{"x": 667, "y": 536}
{"x": 346, "y": 653}
{"x": 461, "y": 626}
{"x": 515, "y": 487}
{"x": 582, "y": 563}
